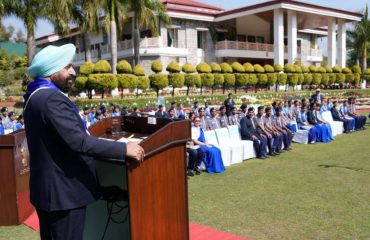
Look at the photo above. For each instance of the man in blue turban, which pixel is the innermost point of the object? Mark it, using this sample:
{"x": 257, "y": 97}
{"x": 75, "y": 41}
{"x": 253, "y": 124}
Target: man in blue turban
{"x": 62, "y": 170}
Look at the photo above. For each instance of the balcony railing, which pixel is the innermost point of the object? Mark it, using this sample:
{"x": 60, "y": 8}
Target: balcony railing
{"x": 316, "y": 52}
{"x": 237, "y": 45}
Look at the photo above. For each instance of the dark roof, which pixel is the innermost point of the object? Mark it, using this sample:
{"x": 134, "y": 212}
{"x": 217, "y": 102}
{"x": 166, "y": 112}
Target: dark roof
{"x": 192, "y": 3}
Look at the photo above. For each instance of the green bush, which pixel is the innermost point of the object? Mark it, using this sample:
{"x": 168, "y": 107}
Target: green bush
{"x": 300, "y": 78}
{"x": 262, "y": 79}
{"x": 248, "y": 68}
{"x": 313, "y": 69}
{"x": 203, "y": 68}
{"x": 139, "y": 70}
{"x": 325, "y": 79}
{"x": 258, "y": 68}
{"x": 341, "y": 78}
{"x": 188, "y": 68}
{"x": 237, "y": 67}
{"x": 143, "y": 82}
{"x": 173, "y": 67}
{"x": 198, "y": 80}
{"x": 316, "y": 79}
{"x": 102, "y": 81}
{"x": 268, "y": 68}
{"x": 87, "y": 68}
{"x": 157, "y": 67}
{"x": 346, "y": 71}
{"x": 191, "y": 79}
{"x": 215, "y": 67}
{"x": 328, "y": 69}
{"x": 253, "y": 80}
{"x": 307, "y": 79}
{"x": 207, "y": 79}
{"x": 289, "y": 68}
{"x": 356, "y": 79}
{"x": 282, "y": 78}
{"x": 219, "y": 79}
{"x": 158, "y": 81}
{"x": 102, "y": 66}
{"x": 297, "y": 68}
{"x": 127, "y": 81}
{"x": 241, "y": 79}
{"x": 332, "y": 78}
{"x": 124, "y": 67}
{"x": 367, "y": 71}
{"x": 176, "y": 80}
{"x": 292, "y": 79}
{"x": 278, "y": 68}
{"x": 80, "y": 83}
{"x": 229, "y": 79}
{"x": 350, "y": 78}
{"x": 337, "y": 69}
{"x": 20, "y": 73}
{"x": 226, "y": 68}
{"x": 321, "y": 70}
{"x": 5, "y": 64}
{"x": 356, "y": 69}
{"x": 271, "y": 79}
{"x": 305, "y": 69}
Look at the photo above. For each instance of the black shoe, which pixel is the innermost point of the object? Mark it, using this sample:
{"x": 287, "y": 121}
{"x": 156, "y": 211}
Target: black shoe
{"x": 276, "y": 153}
{"x": 288, "y": 149}
{"x": 190, "y": 173}
{"x": 266, "y": 156}
{"x": 261, "y": 157}
{"x": 197, "y": 171}
{"x": 272, "y": 154}
{"x": 280, "y": 151}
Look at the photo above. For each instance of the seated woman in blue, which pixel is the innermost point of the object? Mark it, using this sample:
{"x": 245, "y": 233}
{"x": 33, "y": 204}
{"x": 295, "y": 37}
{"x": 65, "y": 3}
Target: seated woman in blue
{"x": 326, "y": 105}
{"x": 321, "y": 129}
{"x": 2, "y": 129}
{"x": 303, "y": 124}
{"x": 321, "y": 120}
{"x": 213, "y": 158}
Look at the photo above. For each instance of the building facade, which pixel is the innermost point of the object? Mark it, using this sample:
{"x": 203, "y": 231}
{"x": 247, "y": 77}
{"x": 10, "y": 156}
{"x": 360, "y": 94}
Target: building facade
{"x": 280, "y": 31}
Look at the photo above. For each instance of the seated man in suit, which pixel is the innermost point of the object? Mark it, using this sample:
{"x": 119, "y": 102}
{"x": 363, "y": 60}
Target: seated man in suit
{"x": 338, "y": 116}
{"x": 250, "y": 131}
{"x": 62, "y": 169}
{"x": 172, "y": 114}
{"x": 195, "y": 108}
{"x": 234, "y": 117}
{"x": 196, "y": 156}
{"x": 160, "y": 113}
{"x": 213, "y": 122}
{"x": 135, "y": 113}
{"x": 243, "y": 111}
{"x": 222, "y": 118}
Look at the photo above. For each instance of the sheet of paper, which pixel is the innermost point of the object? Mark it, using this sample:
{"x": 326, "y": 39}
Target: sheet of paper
{"x": 126, "y": 140}
{"x": 152, "y": 120}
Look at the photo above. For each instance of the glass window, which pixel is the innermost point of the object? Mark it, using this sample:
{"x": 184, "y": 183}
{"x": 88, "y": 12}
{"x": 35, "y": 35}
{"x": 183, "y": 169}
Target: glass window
{"x": 260, "y": 39}
{"x": 172, "y": 37}
{"x": 251, "y": 39}
{"x": 242, "y": 38}
{"x": 200, "y": 39}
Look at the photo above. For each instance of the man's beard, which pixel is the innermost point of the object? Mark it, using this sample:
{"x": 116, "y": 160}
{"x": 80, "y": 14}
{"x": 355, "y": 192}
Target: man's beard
{"x": 68, "y": 83}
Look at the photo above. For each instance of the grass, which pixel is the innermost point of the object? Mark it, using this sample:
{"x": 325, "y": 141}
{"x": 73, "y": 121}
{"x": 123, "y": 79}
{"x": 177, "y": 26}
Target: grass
{"x": 316, "y": 191}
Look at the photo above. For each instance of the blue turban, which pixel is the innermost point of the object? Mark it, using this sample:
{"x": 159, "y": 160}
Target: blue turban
{"x": 51, "y": 59}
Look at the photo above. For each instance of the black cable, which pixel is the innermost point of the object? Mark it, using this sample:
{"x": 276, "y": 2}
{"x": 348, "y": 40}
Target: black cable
{"x": 111, "y": 213}
{"x": 108, "y": 220}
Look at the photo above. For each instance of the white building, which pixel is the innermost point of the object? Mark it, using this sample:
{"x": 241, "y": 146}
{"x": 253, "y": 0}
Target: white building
{"x": 280, "y": 31}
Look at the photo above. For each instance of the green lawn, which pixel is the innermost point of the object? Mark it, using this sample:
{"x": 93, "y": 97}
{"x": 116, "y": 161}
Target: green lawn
{"x": 319, "y": 191}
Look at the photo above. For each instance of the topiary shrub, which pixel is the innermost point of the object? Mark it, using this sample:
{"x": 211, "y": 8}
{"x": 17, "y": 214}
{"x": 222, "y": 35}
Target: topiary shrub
{"x": 307, "y": 79}
{"x": 289, "y": 68}
{"x": 297, "y": 68}
{"x": 87, "y": 68}
{"x": 219, "y": 79}
{"x": 20, "y": 73}
{"x": 198, "y": 81}
{"x": 282, "y": 78}
{"x": 248, "y": 68}
{"x": 253, "y": 80}
{"x": 215, "y": 67}
{"x": 341, "y": 78}
{"x": 241, "y": 79}
{"x": 176, "y": 80}
{"x": 346, "y": 71}
{"x": 203, "y": 68}
{"x": 305, "y": 69}
{"x": 188, "y": 68}
{"x": 237, "y": 67}
{"x": 258, "y": 68}
{"x": 127, "y": 81}
{"x": 143, "y": 82}
{"x": 328, "y": 69}
{"x": 262, "y": 79}
{"x": 139, "y": 70}
{"x": 173, "y": 67}
{"x": 325, "y": 79}
{"x": 157, "y": 66}
{"x": 292, "y": 80}
{"x": 316, "y": 79}
{"x": 300, "y": 78}
{"x": 313, "y": 69}
{"x": 278, "y": 68}
{"x": 124, "y": 67}
{"x": 207, "y": 80}
{"x": 337, "y": 69}
{"x": 226, "y": 68}
{"x": 332, "y": 78}
{"x": 102, "y": 66}
{"x": 80, "y": 83}
{"x": 268, "y": 68}
{"x": 102, "y": 82}
{"x": 271, "y": 79}
{"x": 356, "y": 69}
{"x": 350, "y": 78}
{"x": 158, "y": 81}
{"x": 191, "y": 80}
{"x": 356, "y": 79}
{"x": 229, "y": 80}
{"x": 321, "y": 70}
{"x": 367, "y": 74}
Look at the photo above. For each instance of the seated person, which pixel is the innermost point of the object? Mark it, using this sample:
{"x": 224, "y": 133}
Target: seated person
{"x": 2, "y": 129}
{"x": 281, "y": 127}
{"x": 172, "y": 114}
{"x": 222, "y": 118}
{"x": 20, "y": 123}
{"x": 104, "y": 113}
{"x": 180, "y": 110}
{"x": 338, "y": 116}
{"x": 325, "y": 105}
{"x": 322, "y": 131}
{"x": 360, "y": 121}
{"x": 203, "y": 119}
{"x": 250, "y": 131}
{"x": 234, "y": 117}
{"x": 243, "y": 111}
{"x": 124, "y": 111}
{"x": 160, "y": 113}
{"x": 213, "y": 122}
{"x": 270, "y": 125}
{"x": 96, "y": 118}
{"x": 86, "y": 117}
{"x": 116, "y": 112}
{"x": 196, "y": 156}
{"x": 213, "y": 158}
{"x": 344, "y": 111}
{"x": 321, "y": 120}
{"x": 135, "y": 113}
{"x": 303, "y": 124}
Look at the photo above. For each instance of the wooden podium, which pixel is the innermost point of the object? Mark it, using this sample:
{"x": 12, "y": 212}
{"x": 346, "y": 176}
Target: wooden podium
{"x": 157, "y": 188}
{"x": 15, "y": 204}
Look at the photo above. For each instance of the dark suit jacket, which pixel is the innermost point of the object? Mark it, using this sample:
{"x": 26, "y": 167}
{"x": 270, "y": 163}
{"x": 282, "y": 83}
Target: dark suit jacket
{"x": 335, "y": 114}
{"x": 311, "y": 118}
{"x": 314, "y": 97}
{"x": 159, "y": 114}
{"x": 61, "y": 153}
{"x": 247, "y": 129}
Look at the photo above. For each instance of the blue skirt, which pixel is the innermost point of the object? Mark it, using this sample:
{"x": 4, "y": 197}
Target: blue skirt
{"x": 213, "y": 159}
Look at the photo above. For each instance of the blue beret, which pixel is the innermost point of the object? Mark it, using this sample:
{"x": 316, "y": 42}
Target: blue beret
{"x": 51, "y": 59}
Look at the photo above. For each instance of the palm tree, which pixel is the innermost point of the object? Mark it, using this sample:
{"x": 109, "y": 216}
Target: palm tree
{"x": 145, "y": 15}
{"x": 362, "y": 29}
{"x": 29, "y": 11}
{"x": 355, "y": 45}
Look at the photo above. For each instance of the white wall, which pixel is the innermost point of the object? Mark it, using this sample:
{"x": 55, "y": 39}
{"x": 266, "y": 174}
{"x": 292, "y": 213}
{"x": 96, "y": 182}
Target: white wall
{"x": 253, "y": 26}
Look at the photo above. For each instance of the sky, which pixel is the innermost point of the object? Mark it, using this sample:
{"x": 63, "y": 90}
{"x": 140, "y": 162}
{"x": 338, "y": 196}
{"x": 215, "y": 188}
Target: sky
{"x": 45, "y": 28}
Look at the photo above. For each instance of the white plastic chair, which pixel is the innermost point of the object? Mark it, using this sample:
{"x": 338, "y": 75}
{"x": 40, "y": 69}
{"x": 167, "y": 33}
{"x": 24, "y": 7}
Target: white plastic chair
{"x": 224, "y": 139}
{"x": 248, "y": 149}
{"x": 336, "y": 126}
{"x": 301, "y": 136}
{"x": 211, "y": 137}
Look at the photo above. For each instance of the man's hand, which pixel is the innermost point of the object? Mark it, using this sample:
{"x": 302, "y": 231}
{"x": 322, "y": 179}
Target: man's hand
{"x": 254, "y": 137}
{"x": 135, "y": 151}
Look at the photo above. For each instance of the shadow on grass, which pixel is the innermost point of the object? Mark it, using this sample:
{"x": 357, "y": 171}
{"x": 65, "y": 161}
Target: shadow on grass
{"x": 349, "y": 168}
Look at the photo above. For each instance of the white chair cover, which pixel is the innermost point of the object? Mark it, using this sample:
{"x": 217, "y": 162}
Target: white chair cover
{"x": 224, "y": 139}
{"x": 211, "y": 137}
{"x": 336, "y": 126}
{"x": 248, "y": 149}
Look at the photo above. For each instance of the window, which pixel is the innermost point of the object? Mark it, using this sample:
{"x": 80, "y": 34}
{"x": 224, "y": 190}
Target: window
{"x": 221, "y": 36}
{"x": 146, "y": 34}
{"x": 200, "y": 38}
{"x": 172, "y": 37}
{"x": 251, "y": 39}
{"x": 260, "y": 39}
{"x": 242, "y": 38}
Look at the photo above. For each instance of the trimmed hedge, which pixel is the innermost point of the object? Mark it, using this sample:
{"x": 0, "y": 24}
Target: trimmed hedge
{"x": 173, "y": 67}
{"x": 226, "y": 68}
{"x": 191, "y": 79}
{"x": 248, "y": 68}
{"x": 139, "y": 70}
{"x": 271, "y": 78}
{"x": 207, "y": 79}
{"x": 143, "y": 82}
{"x": 87, "y": 68}
{"x": 316, "y": 79}
{"x": 102, "y": 81}
{"x": 268, "y": 68}
{"x": 253, "y": 80}
{"x": 350, "y": 78}
{"x": 80, "y": 83}
{"x": 102, "y": 66}
{"x": 278, "y": 68}
{"x": 341, "y": 78}
{"x": 241, "y": 79}
{"x": 313, "y": 69}
{"x": 328, "y": 69}
{"x": 229, "y": 79}
{"x": 158, "y": 81}
{"x": 307, "y": 79}
{"x": 289, "y": 68}
{"x": 219, "y": 79}
{"x": 282, "y": 78}
{"x": 356, "y": 69}
{"x": 128, "y": 81}
{"x": 188, "y": 68}
{"x": 305, "y": 69}
{"x": 258, "y": 68}
{"x": 124, "y": 67}
{"x": 337, "y": 69}
{"x": 176, "y": 80}
{"x": 346, "y": 71}
{"x": 157, "y": 66}
{"x": 321, "y": 70}
{"x": 215, "y": 67}
{"x": 325, "y": 79}
{"x": 292, "y": 79}
{"x": 262, "y": 79}
{"x": 203, "y": 68}
{"x": 237, "y": 67}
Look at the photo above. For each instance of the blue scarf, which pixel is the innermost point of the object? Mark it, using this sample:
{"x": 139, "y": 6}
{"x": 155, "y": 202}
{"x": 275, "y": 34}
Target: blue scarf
{"x": 43, "y": 83}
